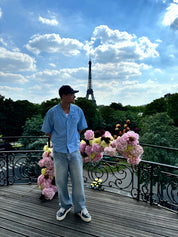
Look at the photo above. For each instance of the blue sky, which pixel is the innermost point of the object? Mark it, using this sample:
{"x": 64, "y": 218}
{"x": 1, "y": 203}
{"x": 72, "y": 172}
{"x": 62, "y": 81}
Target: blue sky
{"x": 133, "y": 46}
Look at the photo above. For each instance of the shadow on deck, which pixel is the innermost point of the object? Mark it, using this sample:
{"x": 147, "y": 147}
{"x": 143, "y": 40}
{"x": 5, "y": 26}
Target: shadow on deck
{"x": 24, "y": 214}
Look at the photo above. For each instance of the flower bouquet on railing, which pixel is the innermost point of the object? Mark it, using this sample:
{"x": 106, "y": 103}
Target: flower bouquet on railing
{"x": 46, "y": 180}
{"x": 95, "y": 144}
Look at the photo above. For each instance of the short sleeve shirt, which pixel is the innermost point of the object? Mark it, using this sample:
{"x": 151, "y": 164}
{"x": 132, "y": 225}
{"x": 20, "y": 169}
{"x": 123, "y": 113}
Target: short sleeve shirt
{"x": 64, "y": 129}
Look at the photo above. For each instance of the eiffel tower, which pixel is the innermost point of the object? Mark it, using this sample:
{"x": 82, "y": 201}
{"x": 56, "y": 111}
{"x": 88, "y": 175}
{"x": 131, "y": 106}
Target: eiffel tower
{"x": 89, "y": 88}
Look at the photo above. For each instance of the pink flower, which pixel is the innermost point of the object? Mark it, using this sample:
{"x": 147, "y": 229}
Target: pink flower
{"x": 41, "y": 163}
{"x": 113, "y": 144}
{"x": 98, "y": 157}
{"x": 107, "y": 134}
{"x": 48, "y": 162}
{"x": 51, "y": 153}
{"x": 137, "y": 151}
{"x": 40, "y": 179}
{"x": 45, "y": 154}
{"x": 125, "y": 155}
{"x": 46, "y": 183}
{"x": 96, "y": 148}
{"x": 89, "y": 134}
{"x": 82, "y": 147}
{"x": 54, "y": 187}
{"x": 48, "y": 193}
{"x": 131, "y": 137}
{"x": 86, "y": 159}
{"x": 110, "y": 151}
{"x": 88, "y": 150}
{"x": 134, "y": 161}
{"x": 121, "y": 144}
{"x": 50, "y": 171}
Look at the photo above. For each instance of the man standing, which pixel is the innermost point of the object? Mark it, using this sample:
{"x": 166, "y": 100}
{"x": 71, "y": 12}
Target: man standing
{"x": 63, "y": 123}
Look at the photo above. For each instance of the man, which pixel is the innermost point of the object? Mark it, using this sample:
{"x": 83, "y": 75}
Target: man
{"x": 63, "y": 123}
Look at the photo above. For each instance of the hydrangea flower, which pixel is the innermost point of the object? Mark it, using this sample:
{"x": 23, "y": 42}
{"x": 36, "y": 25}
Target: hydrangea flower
{"x": 89, "y": 134}
{"x": 110, "y": 151}
{"x": 46, "y": 179}
{"x": 127, "y": 145}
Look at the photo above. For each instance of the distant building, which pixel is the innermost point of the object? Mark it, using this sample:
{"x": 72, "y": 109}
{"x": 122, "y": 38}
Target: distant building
{"x": 167, "y": 95}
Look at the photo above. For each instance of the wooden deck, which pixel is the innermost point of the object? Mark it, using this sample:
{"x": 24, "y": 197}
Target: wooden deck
{"x": 22, "y": 213}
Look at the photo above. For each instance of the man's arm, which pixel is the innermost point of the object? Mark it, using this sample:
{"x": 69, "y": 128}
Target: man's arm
{"x": 79, "y": 131}
{"x": 49, "y": 135}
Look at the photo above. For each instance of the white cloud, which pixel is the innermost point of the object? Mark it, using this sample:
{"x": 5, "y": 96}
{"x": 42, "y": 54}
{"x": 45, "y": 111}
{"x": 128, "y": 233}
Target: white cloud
{"x": 12, "y": 92}
{"x": 105, "y": 34}
{"x": 3, "y": 42}
{"x": 52, "y": 64}
{"x": 171, "y": 16}
{"x": 59, "y": 76}
{"x": 114, "y": 46}
{"x": 53, "y": 43}
{"x": 15, "y": 61}
{"x": 12, "y": 78}
{"x": 118, "y": 71}
{"x": 52, "y": 22}
{"x": 132, "y": 93}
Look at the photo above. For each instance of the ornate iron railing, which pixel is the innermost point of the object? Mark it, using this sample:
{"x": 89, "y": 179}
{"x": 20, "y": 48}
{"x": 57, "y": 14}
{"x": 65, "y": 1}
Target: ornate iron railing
{"x": 19, "y": 166}
{"x": 151, "y": 182}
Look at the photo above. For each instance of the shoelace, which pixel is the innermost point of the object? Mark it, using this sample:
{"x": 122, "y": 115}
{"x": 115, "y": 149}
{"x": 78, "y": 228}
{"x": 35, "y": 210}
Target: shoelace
{"x": 62, "y": 210}
{"x": 85, "y": 212}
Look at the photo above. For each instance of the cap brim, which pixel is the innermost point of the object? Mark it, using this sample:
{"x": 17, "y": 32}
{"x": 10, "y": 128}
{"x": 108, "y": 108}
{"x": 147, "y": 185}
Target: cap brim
{"x": 75, "y": 91}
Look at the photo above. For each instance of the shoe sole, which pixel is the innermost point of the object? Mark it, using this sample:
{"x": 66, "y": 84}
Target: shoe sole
{"x": 84, "y": 219}
{"x": 64, "y": 216}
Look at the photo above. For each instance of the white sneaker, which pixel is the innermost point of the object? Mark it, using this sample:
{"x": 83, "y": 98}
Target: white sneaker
{"x": 85, "y": 216}
{"x": 61, "y": 214}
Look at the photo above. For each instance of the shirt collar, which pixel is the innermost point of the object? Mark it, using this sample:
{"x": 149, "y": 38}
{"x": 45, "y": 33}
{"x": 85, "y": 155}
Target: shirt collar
{"x": 71, "y": 108}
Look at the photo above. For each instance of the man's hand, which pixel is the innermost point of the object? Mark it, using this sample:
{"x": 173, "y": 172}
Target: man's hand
{"x": 49, "y": 135}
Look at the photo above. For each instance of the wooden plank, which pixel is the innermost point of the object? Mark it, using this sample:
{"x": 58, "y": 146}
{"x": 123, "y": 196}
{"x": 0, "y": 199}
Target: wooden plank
{"x": 112, "y": 218}
{"x": 112, "y": 214}
{"x": 6, "y": 233}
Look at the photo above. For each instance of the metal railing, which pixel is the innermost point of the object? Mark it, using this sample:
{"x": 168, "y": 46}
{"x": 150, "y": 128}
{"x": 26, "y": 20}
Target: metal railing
{"x": 150, "y": 182}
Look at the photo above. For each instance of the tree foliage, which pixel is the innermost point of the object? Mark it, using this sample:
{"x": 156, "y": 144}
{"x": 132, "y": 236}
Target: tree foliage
{"x": 91, "y": 113}
{"x": 14, "y": 114}
{"x": 46, "y": 105}
{"x": 157, "y": 106}
{"x": 159, "y": 129}
{"x": 32, "y": 127}
{"x": 172, "y": 107}
{"x": 157, "y": 122}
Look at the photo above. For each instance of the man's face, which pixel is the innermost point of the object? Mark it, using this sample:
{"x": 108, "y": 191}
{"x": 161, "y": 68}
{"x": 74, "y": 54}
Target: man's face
{"x": 69, "y": 98}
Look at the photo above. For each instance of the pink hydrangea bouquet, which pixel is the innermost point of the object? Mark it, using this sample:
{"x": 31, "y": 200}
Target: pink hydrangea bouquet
{"x": 95, "y": 144}
{"x": 92, "y": 147}
{"x": 46, "y": 180}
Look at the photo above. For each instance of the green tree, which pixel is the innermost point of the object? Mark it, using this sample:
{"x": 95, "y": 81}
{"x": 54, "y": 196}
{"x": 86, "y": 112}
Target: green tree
{"x": 91, "y": 113}
{"x": 107, "y": 114}
{"x": 172, "y": 107}
{"x": 32, "y": 127}
{"x": 159, "y": 129}
{"x": 14, "y": 114}
{"x": 117, "y": 106}
{"x": 157, "y": 106}
{"x": 46, "y": 105}
{"x": 121, "y": 117}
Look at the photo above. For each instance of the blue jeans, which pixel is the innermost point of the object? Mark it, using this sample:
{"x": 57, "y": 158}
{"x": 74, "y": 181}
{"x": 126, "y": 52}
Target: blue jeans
{"x": 65, "y": 164}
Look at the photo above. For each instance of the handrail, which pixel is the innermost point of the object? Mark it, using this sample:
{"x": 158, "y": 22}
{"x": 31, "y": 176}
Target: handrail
{"x": 46, "y": 137}
{"x": 162, "y": 147}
